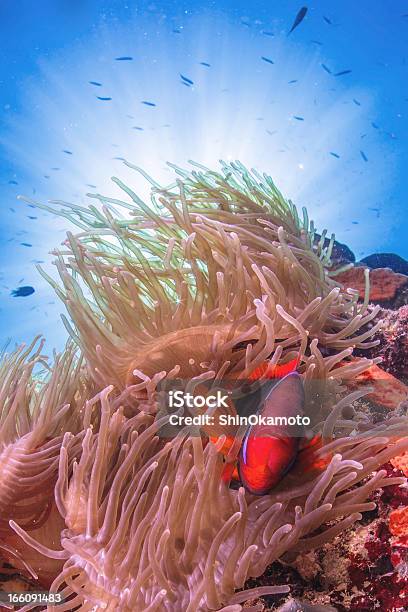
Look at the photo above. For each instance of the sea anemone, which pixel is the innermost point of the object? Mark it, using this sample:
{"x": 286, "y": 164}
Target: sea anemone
{"x": 216, "y": 276}
{"x": 216, "y": 259}
{"x": 36, "y": 410}
{"x": 151, "y": 525}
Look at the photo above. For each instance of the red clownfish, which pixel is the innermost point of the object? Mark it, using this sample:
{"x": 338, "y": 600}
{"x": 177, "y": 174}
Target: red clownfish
{"x": 274, "y": 371}
{"x": 268, "y": 452}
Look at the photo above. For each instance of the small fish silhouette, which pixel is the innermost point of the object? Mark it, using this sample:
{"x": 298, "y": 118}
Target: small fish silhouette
{"x": 299, "y": 18}
{"x": 186, "y": 80}
{"x": 24, "y": 291}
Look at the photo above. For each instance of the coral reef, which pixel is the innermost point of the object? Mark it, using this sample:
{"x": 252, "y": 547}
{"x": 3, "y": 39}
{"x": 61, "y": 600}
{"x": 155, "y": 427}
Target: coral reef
{"x": 401, "y": 462}
{"x": 215, "y": 277}
{"x": 377, "y": 571}
{"x": 393, "y": 342}
{"x": 363, "y": 569}
{"x": 385, "y": 285}
{"x": 387, "y": 391}
{"x": 388, "y": 275}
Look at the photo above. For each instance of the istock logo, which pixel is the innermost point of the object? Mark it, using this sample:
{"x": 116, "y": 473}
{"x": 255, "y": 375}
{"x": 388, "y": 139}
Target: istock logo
{"x": 179, "y": 399}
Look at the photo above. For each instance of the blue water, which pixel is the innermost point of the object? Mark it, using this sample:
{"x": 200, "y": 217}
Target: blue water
{"x": 344, "y": 156}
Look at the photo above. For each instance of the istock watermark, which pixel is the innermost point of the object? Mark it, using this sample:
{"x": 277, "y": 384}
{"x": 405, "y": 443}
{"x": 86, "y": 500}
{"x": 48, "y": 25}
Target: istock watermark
{"x": 238, "y": 420}
{"x": 290, "y": 407}
{"x": 215, "y": 406}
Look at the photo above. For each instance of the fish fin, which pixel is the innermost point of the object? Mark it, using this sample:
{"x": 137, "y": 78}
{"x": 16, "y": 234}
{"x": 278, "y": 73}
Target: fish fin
{"x": 314, "y": 442}
{"x": 274, "y": 371}
{"x": 225, "y": 446}
{"x": 308, "y": 460}
{"x": 230, "y": 472}
{"x": 257, "y": 480}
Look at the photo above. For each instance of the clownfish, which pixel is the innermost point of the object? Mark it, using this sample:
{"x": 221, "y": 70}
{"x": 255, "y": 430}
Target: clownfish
{"x": 274, "y": 371}
{"x": 268, "y": 452}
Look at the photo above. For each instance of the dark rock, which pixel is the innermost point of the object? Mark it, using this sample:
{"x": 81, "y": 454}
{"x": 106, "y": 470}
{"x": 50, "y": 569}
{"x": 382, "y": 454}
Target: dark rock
{"x": 341, "y": 254}
{"x": 386, "y": 260}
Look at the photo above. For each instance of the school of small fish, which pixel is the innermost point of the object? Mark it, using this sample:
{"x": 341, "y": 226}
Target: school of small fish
{"x": 191, "y": 80}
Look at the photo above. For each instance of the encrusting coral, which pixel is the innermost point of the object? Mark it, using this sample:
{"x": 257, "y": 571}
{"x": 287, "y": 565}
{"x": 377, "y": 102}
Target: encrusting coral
{"x": 217, "y": 275}
{"x": 393, "y": 342}
{"x": 385, "y": 284}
